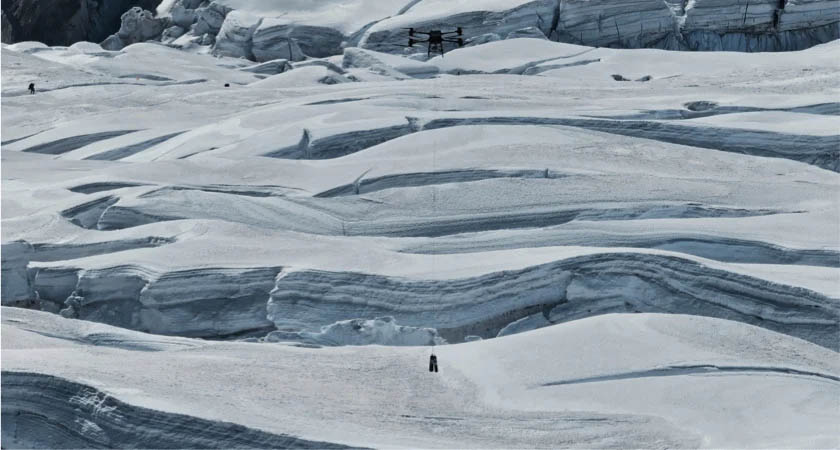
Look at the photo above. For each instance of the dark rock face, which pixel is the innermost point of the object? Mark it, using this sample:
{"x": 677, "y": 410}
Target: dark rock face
{"x": 63, "y": 22}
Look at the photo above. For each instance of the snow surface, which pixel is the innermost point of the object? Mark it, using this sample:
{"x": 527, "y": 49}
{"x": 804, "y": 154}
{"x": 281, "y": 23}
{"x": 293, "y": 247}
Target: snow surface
{"x": 637, "y": 380}
{"x": 374, "y": 199}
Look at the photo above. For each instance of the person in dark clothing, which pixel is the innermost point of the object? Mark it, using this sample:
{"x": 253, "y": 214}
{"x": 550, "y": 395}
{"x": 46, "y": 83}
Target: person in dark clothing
{"x": 31, "y": 88}
{"x": 433, "y": 367}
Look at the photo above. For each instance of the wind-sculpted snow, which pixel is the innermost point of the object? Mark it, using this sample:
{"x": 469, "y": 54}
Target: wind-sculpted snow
{"x": 359, "y": 217}
{"x": 43, "y": 411}
{"x": 699, "y": 109}
{"x": 508, "y": 186}
{"x": 424, "y": 179}
{"x": 72, "y": 143}
{"x": 691, "y": 369}
{"x": 821, "y": 151}
{"x": 711, "y": 247}
{"x": 59, "y": 252}
{"x": 123, "y": 152}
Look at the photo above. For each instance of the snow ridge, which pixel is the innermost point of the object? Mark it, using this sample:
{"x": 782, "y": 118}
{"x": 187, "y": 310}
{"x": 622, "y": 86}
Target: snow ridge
{"x": 49, "y": 412}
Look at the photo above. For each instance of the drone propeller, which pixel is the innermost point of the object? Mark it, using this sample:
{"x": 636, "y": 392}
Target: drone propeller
{"x": 412, "y": 31}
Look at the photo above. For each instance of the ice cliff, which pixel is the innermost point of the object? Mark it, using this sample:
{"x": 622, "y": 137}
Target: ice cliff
{"x": 265, "y": 30}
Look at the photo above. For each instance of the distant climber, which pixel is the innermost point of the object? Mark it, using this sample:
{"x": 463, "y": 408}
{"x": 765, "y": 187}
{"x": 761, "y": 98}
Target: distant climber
{"x": 433, "y": 367}
{"x": 31, "y": 88}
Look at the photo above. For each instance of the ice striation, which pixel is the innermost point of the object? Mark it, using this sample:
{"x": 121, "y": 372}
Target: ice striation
{"x": 230, "y": 302}
{"x": 561, "y": 291}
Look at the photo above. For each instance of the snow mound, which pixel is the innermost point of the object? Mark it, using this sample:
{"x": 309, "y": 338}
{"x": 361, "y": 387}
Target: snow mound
{"x": 302, "y": 77}
{"x": 619, "y": 374}
{"x": 385, "y": 63}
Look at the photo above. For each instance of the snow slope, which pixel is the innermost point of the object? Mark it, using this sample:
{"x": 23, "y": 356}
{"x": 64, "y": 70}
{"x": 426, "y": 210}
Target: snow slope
{"x": 669, "y": 381}
{"x": 534, "y": 187}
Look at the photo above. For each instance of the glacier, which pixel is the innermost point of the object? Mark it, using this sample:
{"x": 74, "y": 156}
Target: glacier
{"x": 261, "y": 225}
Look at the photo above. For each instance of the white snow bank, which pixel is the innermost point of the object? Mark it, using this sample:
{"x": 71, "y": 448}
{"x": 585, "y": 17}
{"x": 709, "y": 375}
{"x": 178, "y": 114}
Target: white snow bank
{"x": 505, "y": 55}
{"x": 369, "y": 59}
{"x": 301, "y": 77}
{"x": 641, "y": 379}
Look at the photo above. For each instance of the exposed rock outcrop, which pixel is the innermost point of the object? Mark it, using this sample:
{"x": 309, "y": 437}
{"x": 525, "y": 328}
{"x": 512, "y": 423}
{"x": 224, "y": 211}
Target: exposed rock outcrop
{"x": 63, "y": 22}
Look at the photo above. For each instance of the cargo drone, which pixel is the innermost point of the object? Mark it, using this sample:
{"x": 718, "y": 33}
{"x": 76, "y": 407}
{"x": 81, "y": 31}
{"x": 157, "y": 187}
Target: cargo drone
{"x": 435, "y": 39}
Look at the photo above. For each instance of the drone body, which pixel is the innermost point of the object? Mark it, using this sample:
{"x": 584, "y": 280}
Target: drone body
{"x": 435, "y": 39}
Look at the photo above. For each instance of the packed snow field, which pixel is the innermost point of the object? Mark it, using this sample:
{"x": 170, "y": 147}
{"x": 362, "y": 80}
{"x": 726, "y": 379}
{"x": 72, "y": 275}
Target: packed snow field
{"x": 612, "y": 381}
{"x": 657, "y": 229}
